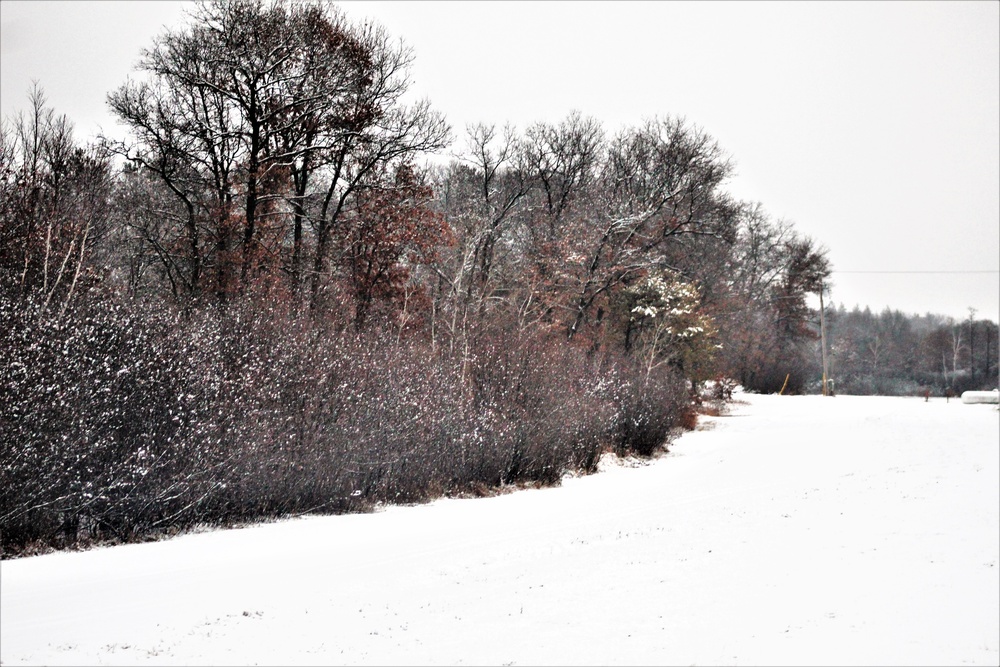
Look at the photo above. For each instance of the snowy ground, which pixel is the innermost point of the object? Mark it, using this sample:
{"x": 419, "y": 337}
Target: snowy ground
{"x": 797, "y": 530}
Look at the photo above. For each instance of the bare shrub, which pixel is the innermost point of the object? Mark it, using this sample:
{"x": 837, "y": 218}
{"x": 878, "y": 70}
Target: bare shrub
{"x": 120, "y": 420}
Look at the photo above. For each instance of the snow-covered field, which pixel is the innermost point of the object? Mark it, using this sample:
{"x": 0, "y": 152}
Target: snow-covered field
{"x": 796, "y": 530}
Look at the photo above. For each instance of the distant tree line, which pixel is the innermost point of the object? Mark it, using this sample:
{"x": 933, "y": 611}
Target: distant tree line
{"x": 267, "y": 300}
{"x": 891, "y": 353}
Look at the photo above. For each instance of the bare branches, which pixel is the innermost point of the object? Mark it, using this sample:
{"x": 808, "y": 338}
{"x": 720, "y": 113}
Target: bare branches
{"x": 252, "y": 109}
{"x": 54, "y": 210}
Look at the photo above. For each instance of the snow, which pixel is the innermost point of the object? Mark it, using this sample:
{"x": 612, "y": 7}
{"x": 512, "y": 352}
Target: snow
{"x": 980, "y": 397}
{"x": 796, "y": 530}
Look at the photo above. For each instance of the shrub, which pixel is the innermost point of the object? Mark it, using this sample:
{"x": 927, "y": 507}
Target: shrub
{"x": 119, "y": 420}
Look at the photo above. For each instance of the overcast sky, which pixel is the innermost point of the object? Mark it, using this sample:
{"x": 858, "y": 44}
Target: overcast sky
{"x": 874, "y": 127}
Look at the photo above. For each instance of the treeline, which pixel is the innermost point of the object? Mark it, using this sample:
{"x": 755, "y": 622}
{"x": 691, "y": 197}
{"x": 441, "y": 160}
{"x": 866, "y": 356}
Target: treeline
{"x": 267, "y": 300}
{"x": 891, "y": 353}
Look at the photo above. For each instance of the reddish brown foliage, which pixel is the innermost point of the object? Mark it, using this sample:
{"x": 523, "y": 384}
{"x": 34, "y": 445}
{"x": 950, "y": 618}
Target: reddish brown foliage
{"x": 395, "y": 231}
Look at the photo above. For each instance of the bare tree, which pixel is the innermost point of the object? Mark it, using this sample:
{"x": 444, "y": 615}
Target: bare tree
{"x": 957, "y": 345}
{"x": 55, "y": 208}
{"x": 565, "y": 159}
{"x": 659, "y": 182}
{"x": 262, "y": 116}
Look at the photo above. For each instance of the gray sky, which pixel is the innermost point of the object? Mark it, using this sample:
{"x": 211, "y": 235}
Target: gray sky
{"x": 874, "y": 127}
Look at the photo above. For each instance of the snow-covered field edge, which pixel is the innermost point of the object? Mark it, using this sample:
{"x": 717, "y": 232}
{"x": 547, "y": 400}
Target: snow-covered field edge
{"x": 796, "y": 530}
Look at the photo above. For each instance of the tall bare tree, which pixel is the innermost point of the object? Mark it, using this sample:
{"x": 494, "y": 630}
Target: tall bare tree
{"x": 262, "y": 117}
{"x": 55, "y": 196}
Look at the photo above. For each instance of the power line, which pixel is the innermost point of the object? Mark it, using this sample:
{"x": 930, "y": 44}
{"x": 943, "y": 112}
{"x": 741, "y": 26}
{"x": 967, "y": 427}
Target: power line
{"x": 989, "y": 271}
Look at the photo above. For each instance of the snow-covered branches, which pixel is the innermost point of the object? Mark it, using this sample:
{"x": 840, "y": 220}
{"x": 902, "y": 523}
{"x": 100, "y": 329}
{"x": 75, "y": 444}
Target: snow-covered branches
{"x": 668, "y": 325}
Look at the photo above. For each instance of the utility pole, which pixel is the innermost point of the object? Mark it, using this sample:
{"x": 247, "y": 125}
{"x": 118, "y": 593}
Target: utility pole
{"x": 986, "y": 366}
{"x": 972, "y": 344}
{"x": 822, "y": 337}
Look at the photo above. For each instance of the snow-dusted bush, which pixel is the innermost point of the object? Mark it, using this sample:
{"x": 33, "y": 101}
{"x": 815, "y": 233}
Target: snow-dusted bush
{"x": 95, "y": 412}
{"x": 539, "y": 406}
{"x": 651, "y": 404}
{"x": 119, "y": 420}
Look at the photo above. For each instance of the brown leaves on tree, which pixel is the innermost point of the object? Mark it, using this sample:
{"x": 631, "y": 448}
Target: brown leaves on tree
{"x": 394, "y": 232}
